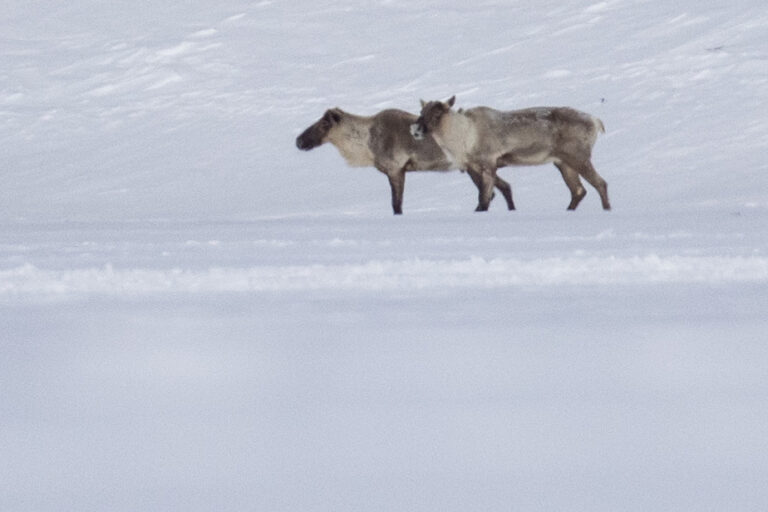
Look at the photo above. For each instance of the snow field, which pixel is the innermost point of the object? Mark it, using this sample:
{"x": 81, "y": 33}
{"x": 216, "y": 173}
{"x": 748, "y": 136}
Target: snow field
{"x": 337, "y": 254}
{"x": 374, "y": 264}
{"x": 385, "y": 275}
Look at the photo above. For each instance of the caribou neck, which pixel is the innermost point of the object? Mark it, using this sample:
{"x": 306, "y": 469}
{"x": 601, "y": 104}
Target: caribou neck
{"x": 352, "y": 137}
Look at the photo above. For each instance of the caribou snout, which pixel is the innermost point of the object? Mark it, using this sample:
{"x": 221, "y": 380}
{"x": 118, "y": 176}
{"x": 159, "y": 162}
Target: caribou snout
{"x": 302, "y": 144}
{"x": 308, "y": 140}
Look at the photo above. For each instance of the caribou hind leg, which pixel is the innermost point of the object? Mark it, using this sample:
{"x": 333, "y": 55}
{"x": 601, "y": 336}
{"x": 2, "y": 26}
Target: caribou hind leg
{"x": 573, "y": 182}
{"x": 590, "y": 174}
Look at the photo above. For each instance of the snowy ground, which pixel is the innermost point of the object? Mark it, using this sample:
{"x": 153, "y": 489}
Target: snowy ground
{"x": 434, "y": 361}
{"x": 196, "y": 316}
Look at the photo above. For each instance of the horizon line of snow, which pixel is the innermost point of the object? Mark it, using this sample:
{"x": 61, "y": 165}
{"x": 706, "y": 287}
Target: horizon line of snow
{"x": 411, "y": 274}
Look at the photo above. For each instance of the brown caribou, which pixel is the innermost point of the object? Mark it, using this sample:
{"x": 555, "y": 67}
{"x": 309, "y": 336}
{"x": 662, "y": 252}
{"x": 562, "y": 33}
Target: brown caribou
{"x": 482, "y": 139}
{"x": 384, "y": 141}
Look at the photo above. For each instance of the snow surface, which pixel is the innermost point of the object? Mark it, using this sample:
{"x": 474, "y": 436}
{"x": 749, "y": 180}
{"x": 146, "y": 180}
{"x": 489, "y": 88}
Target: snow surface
{"x": 195, "y": 315}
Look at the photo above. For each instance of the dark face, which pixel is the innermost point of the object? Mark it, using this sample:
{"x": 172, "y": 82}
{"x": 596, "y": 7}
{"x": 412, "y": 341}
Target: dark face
{"x": 315, "y": 135}
{"x": 431, "y": 114}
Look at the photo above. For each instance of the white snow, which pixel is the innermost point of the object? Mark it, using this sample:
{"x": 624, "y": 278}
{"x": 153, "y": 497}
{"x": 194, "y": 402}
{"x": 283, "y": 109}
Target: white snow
{"x": 387, "y": 275}
{"x": 195, "y": 315}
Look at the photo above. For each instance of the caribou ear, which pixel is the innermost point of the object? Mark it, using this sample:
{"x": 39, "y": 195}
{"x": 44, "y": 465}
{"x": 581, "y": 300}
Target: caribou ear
{"x": 451, "y": 101}
{"x": 423, "y": 103}
{"x": 333, "y": 115}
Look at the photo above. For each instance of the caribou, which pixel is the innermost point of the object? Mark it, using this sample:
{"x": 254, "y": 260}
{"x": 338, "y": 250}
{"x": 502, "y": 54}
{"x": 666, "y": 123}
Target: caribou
{"x": 384, "y": 141}
{"x": 482, "y": 139}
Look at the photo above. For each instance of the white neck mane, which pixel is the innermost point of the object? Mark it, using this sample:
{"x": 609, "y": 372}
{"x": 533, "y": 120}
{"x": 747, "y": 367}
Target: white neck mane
{"x": 351, "y": 138}
{"x": 457, "y": 135}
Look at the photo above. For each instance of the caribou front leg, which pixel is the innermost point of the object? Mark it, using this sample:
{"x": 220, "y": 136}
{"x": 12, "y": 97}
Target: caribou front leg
{"x": 397, "y": 184}
{"x": 487, "y": 181}
{"x": 501, "y": 185}
{"x": 506, "y": 190}
{"x": 478, "y": 181}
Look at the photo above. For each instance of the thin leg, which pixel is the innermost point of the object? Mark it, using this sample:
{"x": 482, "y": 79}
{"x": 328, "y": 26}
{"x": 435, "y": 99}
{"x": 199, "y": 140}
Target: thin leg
{"x": 477, "y": 180}
{"x": 590, "y": 174}
{"x": 506, "y": 191}
{"x": 573, "y": 182}
{"x": 397, "y": 184}
{"x": 487, "y": 181}
{"x": 503, "y": 186}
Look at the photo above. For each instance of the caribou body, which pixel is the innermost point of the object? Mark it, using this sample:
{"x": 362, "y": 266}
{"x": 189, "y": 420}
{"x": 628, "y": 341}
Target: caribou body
{"x": 482, "y": 139}
{"x": 384, "y": 141}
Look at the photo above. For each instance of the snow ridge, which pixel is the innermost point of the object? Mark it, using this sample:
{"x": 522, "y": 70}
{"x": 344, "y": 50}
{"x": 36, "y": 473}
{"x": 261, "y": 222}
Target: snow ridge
{"x": 412, "y": 274}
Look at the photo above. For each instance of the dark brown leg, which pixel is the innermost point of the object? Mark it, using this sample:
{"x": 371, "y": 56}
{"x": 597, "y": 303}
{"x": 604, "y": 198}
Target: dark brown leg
{"x": 506, "y": 191}
{"x": 487, "y": 181}
{"x": 397, "y": 184}
{"x": 590, "y": 174}
{"x": 477, "y": 180}
{"x": 503, "y": 186}
{"x": 573, "y": 182}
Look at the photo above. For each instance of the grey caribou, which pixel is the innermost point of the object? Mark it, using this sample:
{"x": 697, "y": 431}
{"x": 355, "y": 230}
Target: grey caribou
{"x": 384, "y": 141}
{"x": 482, "y": 139}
